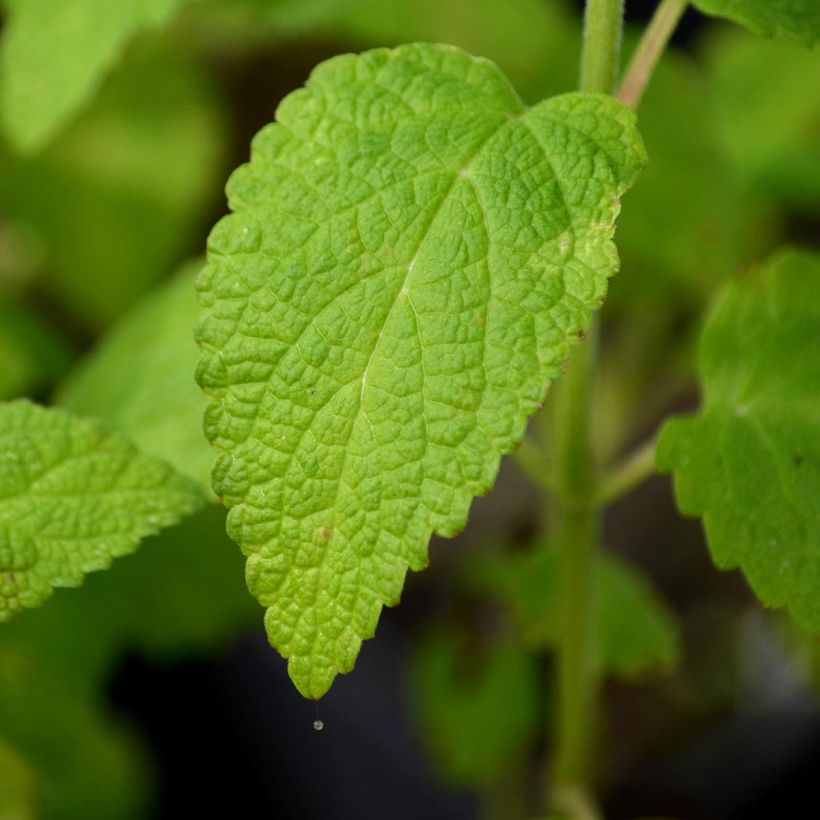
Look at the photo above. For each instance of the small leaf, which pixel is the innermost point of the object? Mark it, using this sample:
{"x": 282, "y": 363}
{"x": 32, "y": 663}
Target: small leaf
{"x": 411, "y": 256}
{"x": 140, "y": 379}
{"x": 749, "y": 461}
{"x": 54, "y": 56}
{"x": 478, "y": 707}
{"x": 635, "y": 630}
{"x": 795, "y": 19}
{"x": 72, "y": 497}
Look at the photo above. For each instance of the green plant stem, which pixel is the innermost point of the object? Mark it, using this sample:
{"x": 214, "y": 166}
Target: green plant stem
{"x": 649, "y": 50}
{"x": 575, "y": 530}
{"x": 627, "y": 475}
{"x": 603, "y": 25}
{"x": 576, "y": 520}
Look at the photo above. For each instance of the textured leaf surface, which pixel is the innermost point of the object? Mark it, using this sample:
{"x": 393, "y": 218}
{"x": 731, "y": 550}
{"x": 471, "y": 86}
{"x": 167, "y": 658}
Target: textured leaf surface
{"x": 140, "y": 379}
{"x": 796, "y": 19}
{"x": 635, "y": 630}
{"x": 54, "y": 55}
{"x": 478, "y": 708}
{"x": 411, "y": 254}
{"x": 72, "y": 497}
{"x": 749, "y": 462}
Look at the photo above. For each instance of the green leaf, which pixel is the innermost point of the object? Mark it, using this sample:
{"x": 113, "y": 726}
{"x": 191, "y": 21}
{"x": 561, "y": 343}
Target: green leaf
{"x": 766, "y": 102}
{"x": 140, "y": 379}
{"x": 115, "y": 199}
{"x": 749, "y": 461}
{"x": 72, "y": 497}
{"x": 795, "y": 19}
{"x": 477, "y": 706}
{"x": 635, "y": 630}
{"x": 411, "y": 256}
{"x": 534, "y": 43}
{"x": 54, "y": 56}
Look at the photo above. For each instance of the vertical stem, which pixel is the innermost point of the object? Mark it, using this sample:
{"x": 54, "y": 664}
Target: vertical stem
{"x": 601, "y": 54}
{"x": 576, "y": 532}
{"x": 576, "y": 516}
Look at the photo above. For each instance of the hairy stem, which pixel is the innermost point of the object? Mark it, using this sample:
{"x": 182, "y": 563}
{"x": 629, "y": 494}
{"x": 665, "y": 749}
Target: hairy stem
{"x": 603, "y": 25}
{"x": 649, "y": 50}
{"x": 576, "y": 522}
{"x": 575, "y": 531}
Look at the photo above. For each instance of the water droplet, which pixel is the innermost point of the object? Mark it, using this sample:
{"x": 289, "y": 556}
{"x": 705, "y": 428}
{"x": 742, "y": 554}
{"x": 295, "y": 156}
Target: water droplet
{"x": 318, "y": 725}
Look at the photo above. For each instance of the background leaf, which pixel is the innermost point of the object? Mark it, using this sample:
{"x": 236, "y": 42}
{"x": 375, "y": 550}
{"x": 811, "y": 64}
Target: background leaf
{"x": 635, "y": 630}
{"x": 54, "y": 55}
{"x": 478, "y": 706}
{"x": 73, "y": 497}
{"x": 140, "y": 379}
{"x": 749, "y": 461}
{"x": 795, "y": 19}
{"x": 115, "y": 199}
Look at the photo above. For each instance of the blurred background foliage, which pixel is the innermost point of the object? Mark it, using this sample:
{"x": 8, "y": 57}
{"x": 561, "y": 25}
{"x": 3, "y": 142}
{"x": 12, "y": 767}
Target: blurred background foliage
{"x": 118, "y": 137}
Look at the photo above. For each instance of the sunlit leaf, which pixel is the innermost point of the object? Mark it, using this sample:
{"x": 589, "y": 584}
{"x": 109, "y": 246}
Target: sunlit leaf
{"x": 411, "y": 256}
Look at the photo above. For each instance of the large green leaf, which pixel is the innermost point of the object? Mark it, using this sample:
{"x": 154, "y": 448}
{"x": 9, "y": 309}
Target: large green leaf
{"x": 749, "y": 461}
{"x": 54, "y": 56}
{"x": 73, "y": 496}
{"x": 411, "y": 256}
{"x": 795, "y": 19}
{"x": 635, "y": 631}
{"x": 140, "y": 379}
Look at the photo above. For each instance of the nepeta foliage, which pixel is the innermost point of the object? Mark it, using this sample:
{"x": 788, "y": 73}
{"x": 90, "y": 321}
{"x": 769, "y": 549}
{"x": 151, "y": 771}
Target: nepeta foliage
{"x": 749, "y": 461}
{"x": 411, "y": 256}
{"x": 635, "y": 631}
{"x": 54, "y": 55}
{"x": 795, "y": 19}
{"x": 135, "y": 379}
{"x": 73, "y": 496}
